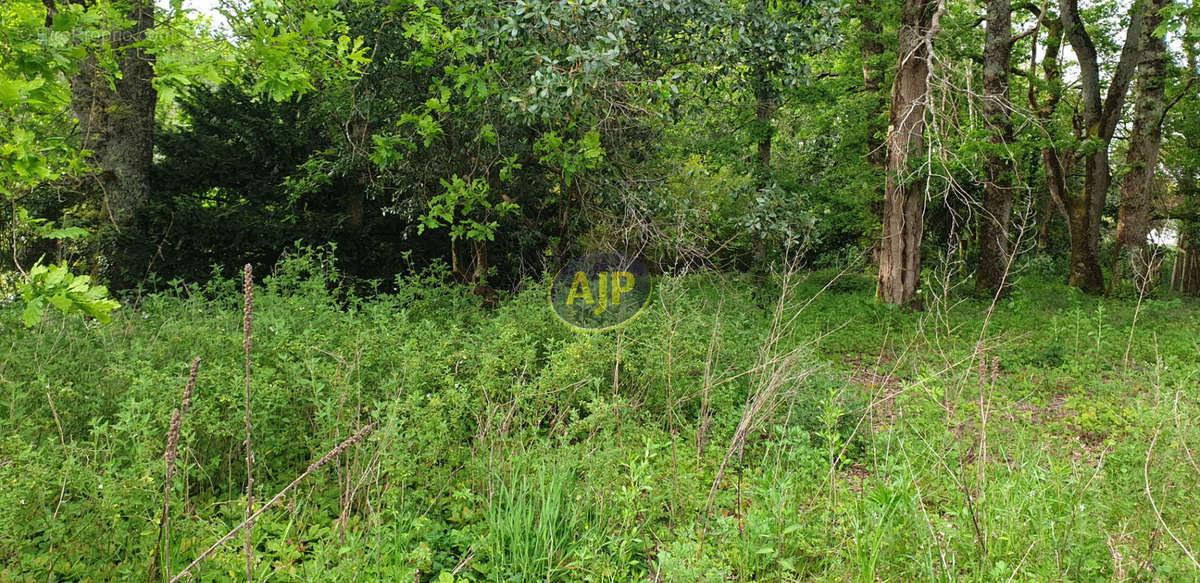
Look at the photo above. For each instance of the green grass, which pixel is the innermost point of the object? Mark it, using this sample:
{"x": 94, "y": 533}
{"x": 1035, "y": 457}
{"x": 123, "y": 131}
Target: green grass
{"x": 510, "y": 448}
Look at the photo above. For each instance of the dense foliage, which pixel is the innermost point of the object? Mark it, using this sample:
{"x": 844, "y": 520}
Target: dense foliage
{"x": 924, "y": 300}
{"x": 510, "y": 448}
{"x": 502, "y": 138}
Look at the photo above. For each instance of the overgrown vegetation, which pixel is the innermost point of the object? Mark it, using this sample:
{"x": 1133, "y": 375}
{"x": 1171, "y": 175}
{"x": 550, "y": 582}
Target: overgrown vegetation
{"x": 923, "y": 304}
{"x": 797, "y": 430}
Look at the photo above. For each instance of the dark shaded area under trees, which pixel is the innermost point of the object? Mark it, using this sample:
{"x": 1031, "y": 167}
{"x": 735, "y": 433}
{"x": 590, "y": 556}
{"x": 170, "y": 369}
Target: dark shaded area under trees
{"x": 498, "y": 140}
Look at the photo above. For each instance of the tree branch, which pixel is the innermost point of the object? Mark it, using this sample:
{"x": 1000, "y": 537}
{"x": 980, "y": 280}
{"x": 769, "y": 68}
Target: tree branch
{"x": 1182, "y": 93}
{"x": 1022, "y": 35}
{"x": 51, "y": 12}
{"x": 1089, "y": 67}
{"x": 1131, "y": 53}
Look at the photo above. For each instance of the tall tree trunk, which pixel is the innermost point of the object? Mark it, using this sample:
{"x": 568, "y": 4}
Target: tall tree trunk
{"x": 764, "y": 111}
{"x": 1098, "y": 116}
{"x": 354, "y": 207}
{"x": 997, "y": 191}
{"x": 1137, "y": 187}
{"x": 904, "y": 197}
{"x": 1083, "y": 225}
{"x": 117, "y": 116}
{"x": 481, "y": 262}
{"x": 1052, "y": 160}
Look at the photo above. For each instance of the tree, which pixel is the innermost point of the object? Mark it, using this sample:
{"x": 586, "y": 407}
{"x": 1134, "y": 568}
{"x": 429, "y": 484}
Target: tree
{"x": 763, "y": 49}
{"x": 904, "y": 196}
{"x": 36, "y": 54}
{"x": 1181, "y": 155}
{"x": 1096, "y": 122}
{"x": 1138, "y": 185}
{"x": 997, "y": 189}
{"x": 1054, "y": 164}
{"x": 771, "y": 42}
{"x": 115, "y": 109}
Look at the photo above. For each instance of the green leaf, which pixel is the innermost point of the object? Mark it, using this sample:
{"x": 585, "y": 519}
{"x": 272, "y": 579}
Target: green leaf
{"x": 55, "y": 276}
{"x": 63, "y": 303}
{"x": 33, "y": 312}
{"x": 8, "y": 93}
{"x": 66, "y": 233}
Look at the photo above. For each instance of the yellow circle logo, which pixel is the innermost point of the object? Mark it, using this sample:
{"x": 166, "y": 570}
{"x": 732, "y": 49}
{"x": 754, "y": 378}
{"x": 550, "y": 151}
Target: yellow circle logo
{"x": 600, "y": 291}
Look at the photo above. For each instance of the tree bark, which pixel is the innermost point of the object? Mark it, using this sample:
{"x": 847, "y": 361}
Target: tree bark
{"x": 1083, "y": 225}
{"x": 904, "y": 197}
{"x": 997, "y": 190}
{"x": 1052, "y": 160}
{"x": 1137, "y": 187}
{"x": 1097, "y": 116}
{"x": 764, "y": 109}
{"x": 116, "y": 116}
{"x": 354, "y": 207}
{"x": 764, "y": 112}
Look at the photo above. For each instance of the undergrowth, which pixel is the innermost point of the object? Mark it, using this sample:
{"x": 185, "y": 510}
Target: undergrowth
{"x": 808, "y": 434}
